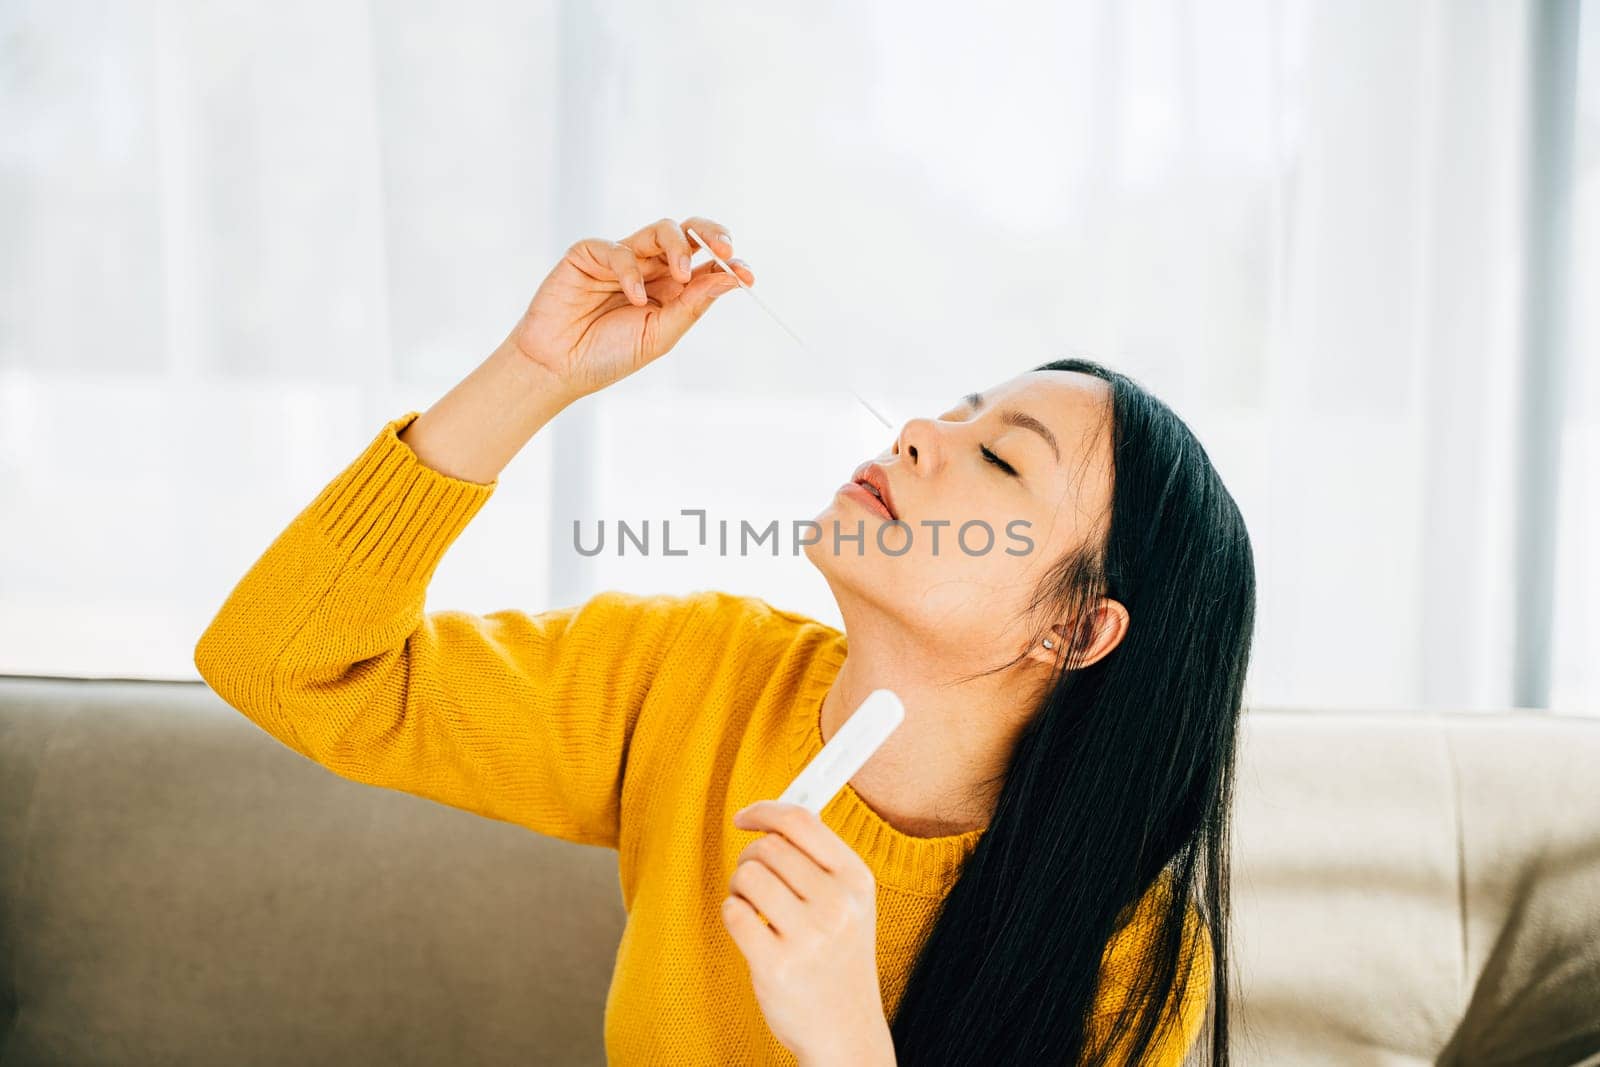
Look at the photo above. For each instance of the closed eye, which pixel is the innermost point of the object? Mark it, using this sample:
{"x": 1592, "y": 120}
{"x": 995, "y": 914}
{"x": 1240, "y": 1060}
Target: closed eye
{"x": 998, "y": 462}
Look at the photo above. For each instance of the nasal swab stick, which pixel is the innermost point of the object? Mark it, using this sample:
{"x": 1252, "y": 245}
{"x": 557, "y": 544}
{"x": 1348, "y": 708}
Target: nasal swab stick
{"x": 875, "y": 412}
{"x": 846, "y": 751}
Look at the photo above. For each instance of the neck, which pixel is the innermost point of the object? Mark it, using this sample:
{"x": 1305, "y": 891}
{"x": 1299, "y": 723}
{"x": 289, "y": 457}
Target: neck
{"x": 939, "y": 772}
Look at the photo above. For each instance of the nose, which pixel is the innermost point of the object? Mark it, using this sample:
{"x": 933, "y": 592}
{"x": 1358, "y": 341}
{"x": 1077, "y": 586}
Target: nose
{"x": 919, "y": 443}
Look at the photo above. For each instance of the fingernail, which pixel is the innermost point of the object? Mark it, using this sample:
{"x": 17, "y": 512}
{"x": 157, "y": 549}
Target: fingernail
{"x": 637, "y": 289}
{"x": 683, "y": 264}
{"x": 738, "y": 263}
{"x": 724, "y": 238}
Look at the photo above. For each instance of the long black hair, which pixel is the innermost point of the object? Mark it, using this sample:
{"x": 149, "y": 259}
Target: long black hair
{"x": 1120, "y": 785}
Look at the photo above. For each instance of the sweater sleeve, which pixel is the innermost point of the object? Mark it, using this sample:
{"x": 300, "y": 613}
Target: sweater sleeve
{"x": 325, "y": 645}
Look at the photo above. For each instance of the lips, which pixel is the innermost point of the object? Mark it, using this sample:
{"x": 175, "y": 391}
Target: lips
{"x": 876, "y": 481}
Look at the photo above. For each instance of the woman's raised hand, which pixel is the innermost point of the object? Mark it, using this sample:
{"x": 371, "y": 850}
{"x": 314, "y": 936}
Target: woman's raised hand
{"x": 610, "y": 307}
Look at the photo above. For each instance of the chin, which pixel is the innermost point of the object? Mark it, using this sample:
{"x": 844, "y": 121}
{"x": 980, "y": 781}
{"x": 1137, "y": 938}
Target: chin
{"x": 821, "y": 554}
{"x": 872, "y": 575}
{"x": 869, "y": 577}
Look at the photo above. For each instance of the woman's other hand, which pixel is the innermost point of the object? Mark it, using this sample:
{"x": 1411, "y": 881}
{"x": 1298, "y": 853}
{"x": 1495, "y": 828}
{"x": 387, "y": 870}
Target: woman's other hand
{"x": 814, "y": 968}
{"x": 610, "y": 307}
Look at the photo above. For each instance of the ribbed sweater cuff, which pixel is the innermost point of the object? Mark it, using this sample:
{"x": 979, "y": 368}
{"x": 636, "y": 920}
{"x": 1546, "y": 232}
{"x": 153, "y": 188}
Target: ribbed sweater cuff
{"x": 392, "y": 515}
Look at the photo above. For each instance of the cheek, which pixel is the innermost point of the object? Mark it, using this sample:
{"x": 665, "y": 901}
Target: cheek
{"x": 991, "y": 564}
{"x": 979, "y": 562}
{"x": 969, "y": 602}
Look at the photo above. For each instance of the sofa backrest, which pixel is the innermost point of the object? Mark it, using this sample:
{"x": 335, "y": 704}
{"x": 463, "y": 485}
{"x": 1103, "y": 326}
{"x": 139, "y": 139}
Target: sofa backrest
{"x": 1417, "y": 888}
{"x": 175, "y": 886}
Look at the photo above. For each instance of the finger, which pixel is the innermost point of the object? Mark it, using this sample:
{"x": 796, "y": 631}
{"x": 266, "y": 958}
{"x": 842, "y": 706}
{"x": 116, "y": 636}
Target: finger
{"x": 804, "y": 828}
{"x": 628, "y": 270}
{"x": 740, "y": 267}
{"x": 696, "y": 298}
{"x": 757, "y": 941}
{"x": 663, "y": 288}
{"x": 714, "y": 233}
{"x": 664, "y": 239}
{"x": 756, "y": 882}
{"x": 607, "y": 262}
{"x": 798, "y": 870}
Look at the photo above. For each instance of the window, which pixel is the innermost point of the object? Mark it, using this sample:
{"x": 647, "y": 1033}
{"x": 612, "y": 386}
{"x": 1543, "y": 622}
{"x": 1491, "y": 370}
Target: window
{"x": 238, "y": 238}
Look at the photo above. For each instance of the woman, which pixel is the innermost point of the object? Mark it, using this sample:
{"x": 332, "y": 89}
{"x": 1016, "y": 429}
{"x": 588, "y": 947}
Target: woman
{"x": 1033, "y": 866}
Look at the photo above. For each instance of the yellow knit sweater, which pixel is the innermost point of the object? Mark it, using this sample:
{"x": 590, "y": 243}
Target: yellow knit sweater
{"x": 639, "y": 723}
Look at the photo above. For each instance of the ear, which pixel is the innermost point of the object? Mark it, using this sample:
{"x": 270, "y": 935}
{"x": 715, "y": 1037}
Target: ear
{"x": 1049, "y": 656}
{"x": 1110, "y": 621}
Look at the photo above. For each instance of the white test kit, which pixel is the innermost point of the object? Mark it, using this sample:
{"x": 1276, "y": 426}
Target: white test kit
{"x": 774, "y": 315}
{"x": 846, "y": 751}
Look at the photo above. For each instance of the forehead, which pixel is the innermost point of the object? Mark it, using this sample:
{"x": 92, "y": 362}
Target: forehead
{"x": 1069, "y": 391}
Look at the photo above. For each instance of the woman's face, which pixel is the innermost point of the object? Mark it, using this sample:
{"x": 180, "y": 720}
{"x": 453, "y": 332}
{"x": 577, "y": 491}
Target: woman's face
{"x": 988, "y": 496}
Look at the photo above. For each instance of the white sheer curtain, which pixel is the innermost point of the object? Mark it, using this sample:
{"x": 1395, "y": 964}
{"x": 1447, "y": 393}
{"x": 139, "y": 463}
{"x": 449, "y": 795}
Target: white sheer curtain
{"x": 236, "y": 238}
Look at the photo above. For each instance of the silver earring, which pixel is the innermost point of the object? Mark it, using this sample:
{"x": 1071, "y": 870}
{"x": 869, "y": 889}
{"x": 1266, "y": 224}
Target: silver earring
{"x": 1049, "y": 643}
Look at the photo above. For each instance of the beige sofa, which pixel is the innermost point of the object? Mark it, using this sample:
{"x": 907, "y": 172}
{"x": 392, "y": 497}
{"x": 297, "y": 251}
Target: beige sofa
{"x": 178, "y": 888}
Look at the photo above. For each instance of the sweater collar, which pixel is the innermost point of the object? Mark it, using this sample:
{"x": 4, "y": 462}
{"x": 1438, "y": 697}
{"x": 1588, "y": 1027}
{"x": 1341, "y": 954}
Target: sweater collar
{"x": 921, "y": 865}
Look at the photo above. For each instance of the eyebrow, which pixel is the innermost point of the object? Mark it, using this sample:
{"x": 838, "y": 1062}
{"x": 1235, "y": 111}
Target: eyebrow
{"x": 1013, "y": 417}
